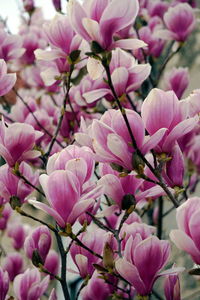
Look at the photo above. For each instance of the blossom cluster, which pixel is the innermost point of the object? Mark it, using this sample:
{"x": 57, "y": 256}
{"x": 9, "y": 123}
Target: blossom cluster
{"x": 97, "y": 138}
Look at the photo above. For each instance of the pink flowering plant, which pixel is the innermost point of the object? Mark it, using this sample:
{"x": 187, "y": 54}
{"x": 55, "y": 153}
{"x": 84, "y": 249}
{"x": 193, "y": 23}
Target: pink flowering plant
{"x": 99, "y": 145}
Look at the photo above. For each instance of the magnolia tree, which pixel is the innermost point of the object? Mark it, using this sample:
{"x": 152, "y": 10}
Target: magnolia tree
{"x": 93, "y": 142}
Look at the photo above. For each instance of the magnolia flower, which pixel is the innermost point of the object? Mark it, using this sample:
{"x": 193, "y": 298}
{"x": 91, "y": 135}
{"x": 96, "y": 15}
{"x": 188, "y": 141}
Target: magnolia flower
{"x": 17, "y": 142}
{"x": 63, "y": 191}
{"x": 7, "y": 81}
{"x": 29, "y": 285}
{"x": 186, "y": 237}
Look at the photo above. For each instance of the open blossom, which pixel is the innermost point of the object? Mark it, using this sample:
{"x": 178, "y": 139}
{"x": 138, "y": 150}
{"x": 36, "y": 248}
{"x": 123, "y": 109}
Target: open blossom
{"x": 163, "y": 110}
{"x": 100, "y": 21}
{"x": 7, "y": 81}
{"x": 39, "y": 240}
{"x": 13, "y": 264}
{"x": 10, "y": 46}
{"x": 111, "y": 140}
{"x": 186, "y": 237}
{"x": 29, "y": 285}
{"x": 126, "y": 76}
{"x": 17, "y": 142}
{"x": 78, "y": 160}
{"x": 179, "y": 21}
{"x": 143, "y": 261}
{"x": 63, "y": 191}
{"x": 177, "y": 80}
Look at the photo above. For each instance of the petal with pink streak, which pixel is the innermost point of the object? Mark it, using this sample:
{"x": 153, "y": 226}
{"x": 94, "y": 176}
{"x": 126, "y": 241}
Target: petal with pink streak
{"x": 117, "y": 16}
{"x": 78, "y": 167}
{"x": 136, "y": 124}
{"x": 112, "y": 188}
{"x": 148, "y": 253}
{"x": 137, "y": 75}
{"x": 6, "y": 83}
{"x": 79, "y": 208}
{"x": 129, "y": 44}
{"x": 119, "y": 148}
{"x": 76, "y": 15}
{"x": 194, "y": 223}
{"x": 92, "y": 28}
{"x": 130, "y": 273}
{"x": 178, "y": 131}
{"x": 153, "y": 140}
{"x": 159, "y": 110}
{"x": 95, "y": 95}
{"x": 119, "y": 79}
{"x": 185, "y": 243}
{"x": 50, "y": 211}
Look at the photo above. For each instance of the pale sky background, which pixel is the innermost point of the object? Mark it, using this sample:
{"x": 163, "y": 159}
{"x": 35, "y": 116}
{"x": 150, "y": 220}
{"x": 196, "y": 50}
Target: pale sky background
{"x": 11, "y": 9}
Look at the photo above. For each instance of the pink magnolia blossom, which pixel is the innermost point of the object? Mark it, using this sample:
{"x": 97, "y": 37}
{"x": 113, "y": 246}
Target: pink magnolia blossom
{"x": 18, "y": 233}
{"x": 7, "y": 81}
{"x": 13, "y": 264}
{"x": 111, "y": 140}
{"x": 63, "y": 191}
{"x": 163, "y": 110}
{"x": 143, "y": 261}
{"x": 11, "y": 46}
{"x": 17, "y": 141}
{"x": 100, "y": 21}
{"x": 53, "y": 295}
{"x": 39, "y": 240}
{"x": 28, "y": 286}
{"x": 186, "y": 237}
{"x": 177, "y": 80}
{"x": 4, "y": 284}
{"x": 126, "y": 75}
{"x": 78, "y": 160}
{"x": 179, "y": 21}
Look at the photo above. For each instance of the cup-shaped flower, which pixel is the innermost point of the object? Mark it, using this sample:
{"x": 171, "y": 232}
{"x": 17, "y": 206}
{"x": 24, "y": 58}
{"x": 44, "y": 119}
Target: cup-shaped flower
{"x": 79, "y": 160}
{"x": 4, "y": 284}
{"x": 99, "y": 21}
{"x": 13, "y": 264}
{"x": 186, "y": 237}
{"x": 7, "y": 81}
{"x": 177, "y": 80}
{"x": 126, "y": 75}
{"x": 180, "y": 22}
{"x": 163, "y": 110}
{"x": 142, "y": 262}
{"x": 63, "y": 191}
{"x": 17, "y": 142}
{"x": 28, "y": 286}
{"x": 38, "y": 241}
